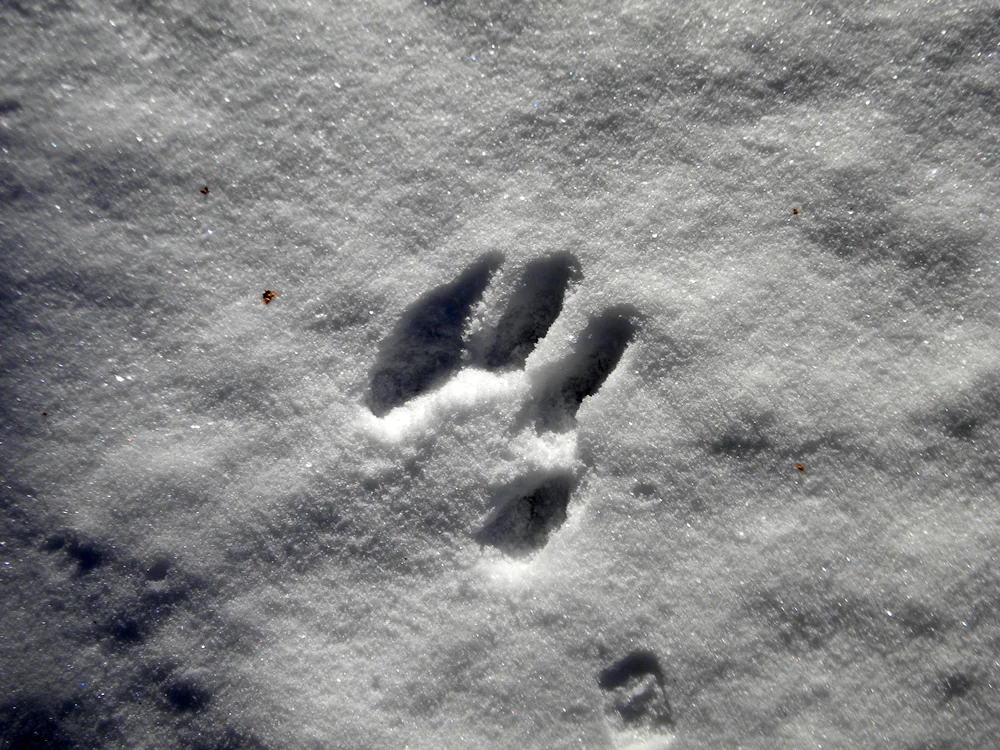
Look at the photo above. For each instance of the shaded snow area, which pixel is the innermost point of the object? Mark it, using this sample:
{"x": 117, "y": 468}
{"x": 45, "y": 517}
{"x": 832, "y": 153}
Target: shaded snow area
{"x": 631, "y": 376}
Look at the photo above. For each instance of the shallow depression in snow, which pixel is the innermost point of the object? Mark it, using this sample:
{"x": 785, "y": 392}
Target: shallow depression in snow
{"x": 449, "y": 375}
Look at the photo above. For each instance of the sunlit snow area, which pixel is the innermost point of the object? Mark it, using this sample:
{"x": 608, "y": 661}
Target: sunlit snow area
{"x": 630, "y": 377}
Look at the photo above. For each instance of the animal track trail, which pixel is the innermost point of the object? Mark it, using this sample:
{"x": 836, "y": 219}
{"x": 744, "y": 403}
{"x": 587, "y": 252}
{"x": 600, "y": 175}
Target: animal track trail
{"x": 426, "y": 348}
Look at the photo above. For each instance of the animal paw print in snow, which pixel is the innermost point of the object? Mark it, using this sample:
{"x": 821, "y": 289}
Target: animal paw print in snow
{"x": 426, "y": 349}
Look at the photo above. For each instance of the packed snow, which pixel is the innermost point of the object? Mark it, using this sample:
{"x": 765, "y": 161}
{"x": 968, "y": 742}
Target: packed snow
{"x": 630, "y": 377}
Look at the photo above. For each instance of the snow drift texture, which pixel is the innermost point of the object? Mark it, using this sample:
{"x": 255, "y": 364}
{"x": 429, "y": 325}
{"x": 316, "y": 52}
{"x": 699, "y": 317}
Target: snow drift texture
{"x": 632, "y": 378}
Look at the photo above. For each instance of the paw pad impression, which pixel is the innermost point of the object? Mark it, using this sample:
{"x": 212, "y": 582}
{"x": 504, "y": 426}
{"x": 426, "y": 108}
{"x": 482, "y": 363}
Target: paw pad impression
{"x": 638, "y": 697}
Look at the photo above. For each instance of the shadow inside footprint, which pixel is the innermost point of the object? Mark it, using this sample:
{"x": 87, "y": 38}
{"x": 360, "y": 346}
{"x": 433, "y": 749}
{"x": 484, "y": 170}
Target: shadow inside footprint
{"x": 523, "y": 523}
{"x": 533, "y": 308}
{"x": 638, "y": 690}
{"x": 426, "y": 345}
{"x": 596, "y": 353}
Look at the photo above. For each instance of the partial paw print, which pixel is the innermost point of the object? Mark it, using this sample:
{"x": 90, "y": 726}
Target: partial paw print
{"x": 638, "y": 704}
{"x": 431, "y": 346}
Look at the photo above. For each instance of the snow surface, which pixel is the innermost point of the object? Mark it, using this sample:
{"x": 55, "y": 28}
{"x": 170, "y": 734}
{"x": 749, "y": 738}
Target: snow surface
{"x": 566, "y": 293}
